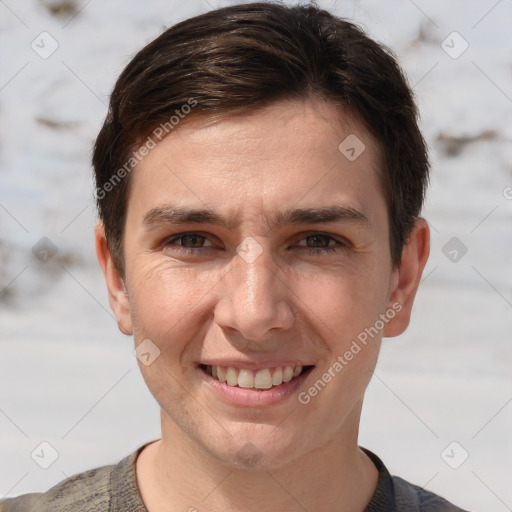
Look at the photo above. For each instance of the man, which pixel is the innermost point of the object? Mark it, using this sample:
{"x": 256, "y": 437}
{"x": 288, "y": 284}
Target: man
{"x": 260, "y": 176}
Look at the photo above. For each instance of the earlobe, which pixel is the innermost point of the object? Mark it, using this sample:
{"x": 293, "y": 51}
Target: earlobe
{"x": 117, "y": 294}
{"x": 407, "y": 277}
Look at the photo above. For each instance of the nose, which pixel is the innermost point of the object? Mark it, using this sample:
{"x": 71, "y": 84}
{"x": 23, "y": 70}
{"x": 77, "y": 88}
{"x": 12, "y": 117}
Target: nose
{"x": 255, "y": 299}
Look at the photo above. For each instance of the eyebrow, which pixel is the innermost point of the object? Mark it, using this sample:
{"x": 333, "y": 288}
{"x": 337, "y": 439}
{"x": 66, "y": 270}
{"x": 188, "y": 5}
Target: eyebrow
{"x": 171, "y": 214}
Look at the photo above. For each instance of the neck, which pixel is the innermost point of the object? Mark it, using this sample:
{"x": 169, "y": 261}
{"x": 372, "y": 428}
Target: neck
{"x": 174, "y": 474}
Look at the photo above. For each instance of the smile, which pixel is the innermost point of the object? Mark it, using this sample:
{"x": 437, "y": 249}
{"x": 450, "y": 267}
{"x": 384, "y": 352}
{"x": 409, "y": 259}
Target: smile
{"x": 265, "y": 378}
{"x": 256, "y": 386}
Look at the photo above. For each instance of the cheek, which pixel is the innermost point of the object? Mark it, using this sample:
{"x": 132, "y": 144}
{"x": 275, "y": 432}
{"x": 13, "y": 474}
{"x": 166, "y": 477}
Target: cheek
{"x": 342, "y": 302}
{"x": 166, "y": 304}
{"x": 165, "y": 299}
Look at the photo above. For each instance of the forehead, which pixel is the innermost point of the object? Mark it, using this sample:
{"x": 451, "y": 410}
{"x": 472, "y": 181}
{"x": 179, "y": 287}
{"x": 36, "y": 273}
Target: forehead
{"x": 294, "y": 153}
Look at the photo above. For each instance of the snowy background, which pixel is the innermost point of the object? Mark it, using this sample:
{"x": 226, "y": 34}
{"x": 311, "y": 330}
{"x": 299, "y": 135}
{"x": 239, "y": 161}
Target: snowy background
{"x": 442, "y": 391}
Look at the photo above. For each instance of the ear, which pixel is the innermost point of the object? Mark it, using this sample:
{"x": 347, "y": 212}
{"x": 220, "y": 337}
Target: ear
{"x": 406, "y": 278}
{"x": 117, "y": 294}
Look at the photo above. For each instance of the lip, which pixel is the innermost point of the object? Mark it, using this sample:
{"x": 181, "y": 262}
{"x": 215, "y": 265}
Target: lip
{"x": 254, "y": 397}
{"x": 251, "y": 365}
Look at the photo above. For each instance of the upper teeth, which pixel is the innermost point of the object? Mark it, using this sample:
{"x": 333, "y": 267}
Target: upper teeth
{"x": 262, "y": 379}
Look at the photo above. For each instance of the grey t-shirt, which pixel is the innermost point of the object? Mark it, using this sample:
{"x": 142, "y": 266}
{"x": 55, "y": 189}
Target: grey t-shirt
{"x": 113, "y": 488}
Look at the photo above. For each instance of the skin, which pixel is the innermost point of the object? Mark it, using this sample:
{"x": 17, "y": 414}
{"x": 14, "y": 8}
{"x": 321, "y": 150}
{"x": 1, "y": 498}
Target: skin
{"x": 291, "y": 303}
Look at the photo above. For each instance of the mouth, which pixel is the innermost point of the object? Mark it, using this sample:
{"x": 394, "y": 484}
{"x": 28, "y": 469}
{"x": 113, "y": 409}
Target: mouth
{"x": 258, "y": 380}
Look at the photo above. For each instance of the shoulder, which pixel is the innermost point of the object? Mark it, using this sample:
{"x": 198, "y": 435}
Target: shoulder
{"x": 411, "y": 497}
{"x": 88, "y": 492}
{"x": 395, "y": 494}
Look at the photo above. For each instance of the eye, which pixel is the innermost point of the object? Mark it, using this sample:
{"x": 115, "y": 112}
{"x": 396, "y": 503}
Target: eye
{"x": 188, "y": 242}
{"x": 320, "y": 243}
{"x": 315, "y": 243}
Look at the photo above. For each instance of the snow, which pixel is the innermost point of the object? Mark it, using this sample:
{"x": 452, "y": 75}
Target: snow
{"x": 69, "y": 377}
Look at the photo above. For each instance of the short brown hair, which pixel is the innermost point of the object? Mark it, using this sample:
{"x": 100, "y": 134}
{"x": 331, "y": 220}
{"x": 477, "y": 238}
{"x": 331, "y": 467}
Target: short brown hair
{"x": 244, "y": 57}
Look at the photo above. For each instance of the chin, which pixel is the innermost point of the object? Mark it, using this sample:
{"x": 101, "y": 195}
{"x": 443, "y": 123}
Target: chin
{"x": 257, "y": 447}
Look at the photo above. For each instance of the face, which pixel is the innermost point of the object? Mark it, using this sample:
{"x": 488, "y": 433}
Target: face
{"x": 255, "y": 249}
